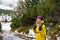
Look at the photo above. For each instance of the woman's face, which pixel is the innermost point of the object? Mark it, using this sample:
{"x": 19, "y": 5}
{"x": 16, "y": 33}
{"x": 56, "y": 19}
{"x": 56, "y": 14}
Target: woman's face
{"x": 38, "y": 21}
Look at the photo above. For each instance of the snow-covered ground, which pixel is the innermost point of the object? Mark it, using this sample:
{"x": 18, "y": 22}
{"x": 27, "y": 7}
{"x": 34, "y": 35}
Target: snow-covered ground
{"x": 10, "y": 36}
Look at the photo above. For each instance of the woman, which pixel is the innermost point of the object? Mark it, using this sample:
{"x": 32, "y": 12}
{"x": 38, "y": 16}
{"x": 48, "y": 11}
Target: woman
{"x": 40, "y": 29}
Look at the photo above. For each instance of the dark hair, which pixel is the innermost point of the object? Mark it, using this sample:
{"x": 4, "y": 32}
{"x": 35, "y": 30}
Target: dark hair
{"x": 40, "y": 17}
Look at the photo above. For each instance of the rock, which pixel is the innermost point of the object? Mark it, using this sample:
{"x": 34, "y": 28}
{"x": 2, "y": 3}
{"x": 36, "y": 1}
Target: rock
{"x": 31, "y": 33}
{"x": 1, "y": 37}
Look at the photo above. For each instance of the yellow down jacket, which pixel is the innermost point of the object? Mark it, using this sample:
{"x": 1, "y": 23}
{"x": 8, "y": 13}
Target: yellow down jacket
{"x": 40, "y": 34}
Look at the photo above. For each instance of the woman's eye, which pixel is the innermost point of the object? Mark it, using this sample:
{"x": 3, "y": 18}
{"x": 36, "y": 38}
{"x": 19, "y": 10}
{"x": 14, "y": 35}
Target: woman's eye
{"x": 38, "y": 21}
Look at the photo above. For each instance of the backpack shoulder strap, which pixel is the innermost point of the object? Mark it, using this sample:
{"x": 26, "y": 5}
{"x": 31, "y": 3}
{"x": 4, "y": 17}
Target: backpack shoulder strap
{"x": 34, "y": 27}
{"x": 40, "y": 28}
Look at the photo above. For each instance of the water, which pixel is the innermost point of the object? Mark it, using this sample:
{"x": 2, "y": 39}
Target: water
{"x": 10, "y": 37}
{"x": 31, "y": 33}
{"x": 7, "y": 35}
{"x": 6, "y": 26}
